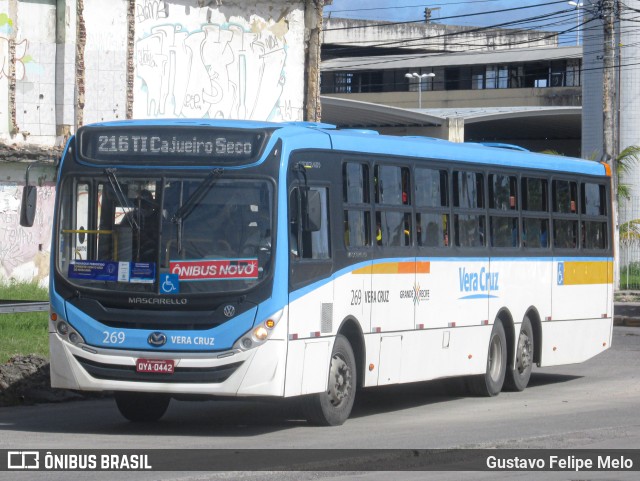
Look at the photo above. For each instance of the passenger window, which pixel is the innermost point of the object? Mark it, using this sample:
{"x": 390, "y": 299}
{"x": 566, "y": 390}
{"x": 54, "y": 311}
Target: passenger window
{"x": 431, "y": 188}
{"x": 468, "y": 190}
{"x": 565, "y": 234}
{"x": 503, "y": 192}
{"x": 504, "y": 231}
{"x": 433, "y": 230}
{"x": 470, "y": 230}
{"x": 357, "y": 228}
{"x": 355, "y": 183}
{"x": 393, "y": 229}
{"x": 593, "y": 199}
{"x": 392, "y": 185}
{"x": 534, "y": 194}
{"x": 535, "y": 233}
{"x": 357, "y": 214}
{"x": 565, "y": 197}
{"x": 594, "y": 235}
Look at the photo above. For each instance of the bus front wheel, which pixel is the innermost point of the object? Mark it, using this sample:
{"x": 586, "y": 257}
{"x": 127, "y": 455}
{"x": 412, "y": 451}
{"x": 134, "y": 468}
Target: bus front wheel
{"x": 491, "y": 382}
{"x": 333, "y": 407}
{"x": 141, "y": 407}
{"x": 518, "y": 378}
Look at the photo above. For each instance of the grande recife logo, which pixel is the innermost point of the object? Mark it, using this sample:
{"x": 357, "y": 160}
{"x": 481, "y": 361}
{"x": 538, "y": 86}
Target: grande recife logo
{"x": 218, "y": 269}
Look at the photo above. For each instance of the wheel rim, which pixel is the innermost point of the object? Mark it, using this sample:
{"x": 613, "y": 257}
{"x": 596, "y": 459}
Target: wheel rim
{"x": 524, "y": 352}
{"x": 495, "y": 358}
{"x": 340, "y": 380}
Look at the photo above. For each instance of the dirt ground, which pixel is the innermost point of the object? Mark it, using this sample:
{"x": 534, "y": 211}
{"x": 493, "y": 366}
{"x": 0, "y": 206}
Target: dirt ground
{"x": 25, "y": 380}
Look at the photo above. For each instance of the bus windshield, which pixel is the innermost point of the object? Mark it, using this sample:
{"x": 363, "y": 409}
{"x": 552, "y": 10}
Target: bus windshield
{"x": 165, "y": 235}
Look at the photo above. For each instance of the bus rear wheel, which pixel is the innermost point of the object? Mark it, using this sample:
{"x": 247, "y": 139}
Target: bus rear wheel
{"x": 333, "y": 407}
{"x": 491, "y": 382}
{"x": 518, "y": 378}
{"x": 141, "y": 407}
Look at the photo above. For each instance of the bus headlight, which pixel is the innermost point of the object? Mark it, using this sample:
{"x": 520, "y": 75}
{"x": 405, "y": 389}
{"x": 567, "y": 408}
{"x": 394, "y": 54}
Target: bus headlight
{"x": 259, "y": 334}
{"x": 65, "y": 331}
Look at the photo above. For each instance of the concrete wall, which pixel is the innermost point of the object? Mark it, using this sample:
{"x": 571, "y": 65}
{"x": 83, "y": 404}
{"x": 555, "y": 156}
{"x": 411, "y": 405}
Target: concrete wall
{"x": 434, "y": 37}
{"x": 529, "y": 97}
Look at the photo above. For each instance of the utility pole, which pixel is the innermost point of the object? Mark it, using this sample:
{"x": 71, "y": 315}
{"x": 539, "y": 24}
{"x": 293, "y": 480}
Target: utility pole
{"x": 608, "y": 90}
{"x": 609, "y": 151}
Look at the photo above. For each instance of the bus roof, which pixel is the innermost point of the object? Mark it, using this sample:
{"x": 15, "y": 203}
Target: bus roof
{"x": 461, "y": 152}
{"x": 410, "y": 146}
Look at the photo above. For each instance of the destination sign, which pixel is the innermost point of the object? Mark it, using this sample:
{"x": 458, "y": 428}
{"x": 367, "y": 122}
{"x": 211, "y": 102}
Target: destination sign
{"x": 157, "y": 144}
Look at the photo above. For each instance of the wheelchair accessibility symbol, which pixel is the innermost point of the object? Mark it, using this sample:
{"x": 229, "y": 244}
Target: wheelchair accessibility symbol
{"x": 560, "y": 273}
{"x": 169, "y": 284}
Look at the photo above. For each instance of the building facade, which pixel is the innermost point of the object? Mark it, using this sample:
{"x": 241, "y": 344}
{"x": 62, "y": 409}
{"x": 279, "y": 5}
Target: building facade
{"x": 439, "y": 68}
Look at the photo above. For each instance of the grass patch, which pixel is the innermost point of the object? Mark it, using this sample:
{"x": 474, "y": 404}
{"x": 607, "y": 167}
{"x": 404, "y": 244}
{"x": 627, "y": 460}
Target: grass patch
{"x": 20, "y": 291}
{"x": 630, "y": 277}
{"x": 23, "y": 332}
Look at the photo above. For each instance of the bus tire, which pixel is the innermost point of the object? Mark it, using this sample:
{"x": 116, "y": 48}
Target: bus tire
{"x": 333, "y": 407}
{"x": 518, "y": 378}
{"x": 140, "y": 407}
{"x": 490, "y": 383}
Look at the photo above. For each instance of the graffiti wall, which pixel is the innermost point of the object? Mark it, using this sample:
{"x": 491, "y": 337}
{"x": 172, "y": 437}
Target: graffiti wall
{"x": 231, "y": 61}
{"x": 66, "y": 64}
{"x": 25, "y": 251}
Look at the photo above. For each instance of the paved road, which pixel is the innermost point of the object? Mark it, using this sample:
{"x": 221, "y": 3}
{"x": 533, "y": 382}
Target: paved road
{"x": 593, "y": 405}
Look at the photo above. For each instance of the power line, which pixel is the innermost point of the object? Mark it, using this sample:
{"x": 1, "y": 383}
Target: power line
{"x": 386, "y": 24}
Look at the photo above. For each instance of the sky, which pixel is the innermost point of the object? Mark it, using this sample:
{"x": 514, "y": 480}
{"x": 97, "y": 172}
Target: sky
{"x": 554, "y": 15}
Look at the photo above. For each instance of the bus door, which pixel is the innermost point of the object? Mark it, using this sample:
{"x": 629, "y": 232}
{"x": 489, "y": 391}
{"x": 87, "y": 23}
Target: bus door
{"x": 311, "y": 287}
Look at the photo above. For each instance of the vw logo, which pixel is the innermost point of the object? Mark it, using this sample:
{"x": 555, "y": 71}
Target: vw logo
{"x": 229, "y": 310}
{"x": 157, "y": 339}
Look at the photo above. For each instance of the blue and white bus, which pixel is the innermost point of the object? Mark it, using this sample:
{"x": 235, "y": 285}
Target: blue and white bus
{"x": 240, "y": 259}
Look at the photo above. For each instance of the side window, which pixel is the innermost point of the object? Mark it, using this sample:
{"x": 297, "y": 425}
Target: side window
{"x": 534, "y": 194}
{"x": 565, "y": 210}
{"x": 432, "y": 206}
{"x": 503, "y": 192}
{"x": 357, "y": 214}
{"x": 468, "y": 190}
{"x": 393, "y": 200}
{"x": 355, "y": 183}
{"x": 308, "y": 244}
{"x": 503, "y": 202}
{"x": 393, "y": 228}
{"x": 431, "y": 188}
{"x": 593, "y": 199}
{"x": 469, "y": 220}
{"x": 594, "y": 211}
{"x": 565, "y": 197}
{"x": 392, "y": 185}
{"x": 535, "y": 217}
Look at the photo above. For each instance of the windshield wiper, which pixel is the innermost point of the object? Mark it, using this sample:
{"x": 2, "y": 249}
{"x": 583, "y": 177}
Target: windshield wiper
{"x": 192, "y": 201}
{"x": 121, "y": 198}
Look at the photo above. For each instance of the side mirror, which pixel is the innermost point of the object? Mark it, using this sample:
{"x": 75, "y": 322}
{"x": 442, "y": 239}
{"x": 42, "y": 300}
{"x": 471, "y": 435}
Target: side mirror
{"x": 311, "y": 211}
{"x": 28, "y": 207}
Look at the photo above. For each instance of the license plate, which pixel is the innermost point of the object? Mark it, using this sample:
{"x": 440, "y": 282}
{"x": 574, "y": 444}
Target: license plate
{"x": 159, "y": 366}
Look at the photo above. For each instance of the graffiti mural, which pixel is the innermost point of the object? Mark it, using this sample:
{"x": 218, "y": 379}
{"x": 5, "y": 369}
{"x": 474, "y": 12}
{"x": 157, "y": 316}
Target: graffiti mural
{"x": 21, "y": 56}
{"x": 24, "y": 252}
{"x": 221, "y": 70}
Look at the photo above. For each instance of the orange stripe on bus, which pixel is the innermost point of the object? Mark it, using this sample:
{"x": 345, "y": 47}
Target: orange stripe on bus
{"x": 395, "y": 268}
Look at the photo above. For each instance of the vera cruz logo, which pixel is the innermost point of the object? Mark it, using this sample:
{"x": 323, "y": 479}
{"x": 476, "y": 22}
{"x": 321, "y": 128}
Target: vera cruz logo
{"x": 478, "y": 284}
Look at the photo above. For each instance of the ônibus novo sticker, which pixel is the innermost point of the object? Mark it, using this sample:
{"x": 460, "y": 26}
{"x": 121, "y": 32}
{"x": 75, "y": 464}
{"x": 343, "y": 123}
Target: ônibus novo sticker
{"x": 206, "y": 270}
